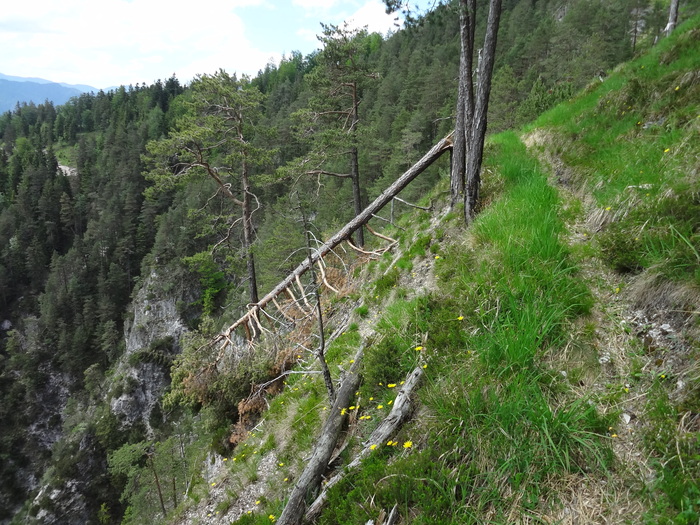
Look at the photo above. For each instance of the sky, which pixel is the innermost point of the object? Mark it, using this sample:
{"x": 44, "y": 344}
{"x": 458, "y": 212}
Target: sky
{"x": 107, "y": 43}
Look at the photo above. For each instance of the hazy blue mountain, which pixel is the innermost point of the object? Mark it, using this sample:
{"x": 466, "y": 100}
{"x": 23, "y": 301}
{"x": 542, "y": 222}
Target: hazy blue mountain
{"x": 23, "y": 89}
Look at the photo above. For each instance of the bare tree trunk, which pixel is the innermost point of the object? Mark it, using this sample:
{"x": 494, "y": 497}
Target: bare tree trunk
{"x": 378, "y": 203}
{"x": 672, "y": 17}
{"x": 355, "y": 165}
{"x": 311, "y": 476}
{"x": 155, "y": 476}
{"x": 478, "y": 127}
{"x": 465, "y": 99}
{"x": 248, "y": 235}
{"x": 399, "y": 413}
{"x": 319, "y": 312}
{"x": 356, "y": 194}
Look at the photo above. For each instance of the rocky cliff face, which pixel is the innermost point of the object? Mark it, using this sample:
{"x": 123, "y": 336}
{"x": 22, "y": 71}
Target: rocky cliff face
{"x": 152, "y": 340}
{"x": 131, "y": 391}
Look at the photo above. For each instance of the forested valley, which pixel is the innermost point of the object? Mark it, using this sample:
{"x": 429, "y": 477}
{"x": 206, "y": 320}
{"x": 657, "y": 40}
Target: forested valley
{"x": 136, "y": 224}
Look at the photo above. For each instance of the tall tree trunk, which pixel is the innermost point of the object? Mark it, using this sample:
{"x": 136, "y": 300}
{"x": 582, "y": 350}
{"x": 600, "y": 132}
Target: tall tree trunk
{"x": 248, "y": 235}
{"x": 160, "y": 492}
{"x": 478, "y": 126}
{"x": 465, "y": 99}
{"x": 672, "y": 17}
{"x": 355, "y": 165}
{"x": 319, "y": 311}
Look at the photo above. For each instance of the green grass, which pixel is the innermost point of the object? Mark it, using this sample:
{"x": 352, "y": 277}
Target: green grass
{"x": 500, "y": 429}
{"x": 634, "y": 140}
{"x": 502, "y": 426}
{"x": 633, "y": 144}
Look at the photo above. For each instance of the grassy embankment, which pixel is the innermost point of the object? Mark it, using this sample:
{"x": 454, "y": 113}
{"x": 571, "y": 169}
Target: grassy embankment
{"x": 506, "y": 430}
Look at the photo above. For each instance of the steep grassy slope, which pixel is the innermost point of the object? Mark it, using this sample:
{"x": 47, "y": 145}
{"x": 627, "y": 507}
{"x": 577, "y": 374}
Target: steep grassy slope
{"x": 558, "y": 336}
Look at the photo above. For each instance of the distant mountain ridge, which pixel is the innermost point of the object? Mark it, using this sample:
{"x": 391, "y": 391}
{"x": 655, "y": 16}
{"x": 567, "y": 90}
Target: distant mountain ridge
{"x": 15, "y": 90}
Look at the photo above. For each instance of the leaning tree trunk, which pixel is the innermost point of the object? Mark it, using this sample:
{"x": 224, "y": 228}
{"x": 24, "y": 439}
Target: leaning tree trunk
{"x": 310, "y": 478}
{"x": 385, "y": 197}
{"x": 478, "y": 127}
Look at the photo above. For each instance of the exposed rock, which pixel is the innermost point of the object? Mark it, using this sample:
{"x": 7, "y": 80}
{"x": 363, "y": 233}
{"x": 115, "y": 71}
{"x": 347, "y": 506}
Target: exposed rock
{"x": 155, "y": 319}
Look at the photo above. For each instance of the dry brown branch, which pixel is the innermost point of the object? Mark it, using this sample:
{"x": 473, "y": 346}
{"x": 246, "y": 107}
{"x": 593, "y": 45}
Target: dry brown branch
{"x": 399, "y": 412}
{"x": 301, "y": 290}
{"x": 376, "y": 234}
{"x": 360, "y": 250}
{"x": 323, "y": 277}
{"x": 310, "y": 478}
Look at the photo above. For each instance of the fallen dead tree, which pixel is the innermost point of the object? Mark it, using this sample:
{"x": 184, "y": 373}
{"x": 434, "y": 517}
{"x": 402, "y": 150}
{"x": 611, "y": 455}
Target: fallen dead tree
{"x": 311, "y": 476}
{"x": 250, "y": 320}
{"x": 400, "y": 411}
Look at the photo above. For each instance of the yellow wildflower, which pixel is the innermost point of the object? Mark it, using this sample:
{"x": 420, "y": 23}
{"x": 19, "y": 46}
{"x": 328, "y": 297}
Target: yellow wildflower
{"x": 460, "y": 318}
{"x": 281, "y": 464}
{"x": 372, "y": 447}
{"x": 419, "y": 348}
{"x": 343, "y": 411}
{"x": 667, "y": 150}
{"x": 425, "y": 366}
{"x": 408, "y": 444}
{"x": 437, "y": 257}
{"x": 380, "y": 406}
{"x": 391, "y": 385}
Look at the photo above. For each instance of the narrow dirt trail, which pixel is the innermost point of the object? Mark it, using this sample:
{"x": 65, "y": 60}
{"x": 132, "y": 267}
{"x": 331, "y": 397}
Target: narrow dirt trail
{"x": 604, "y": 354}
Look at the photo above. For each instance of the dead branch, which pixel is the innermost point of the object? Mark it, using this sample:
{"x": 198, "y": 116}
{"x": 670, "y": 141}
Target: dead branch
{"x": 286, "y": 316}
{"x": 323, "y": 278}
{"x": 360, "y": 250}
{"x": 398, "y": 414}
{"x": 310, "y": 478}
{"x": 429, "y": 208}
{"x": 392, "y": 241}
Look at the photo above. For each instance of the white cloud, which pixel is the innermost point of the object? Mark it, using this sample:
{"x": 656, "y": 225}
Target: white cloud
{"x": 373, "y": 15}
{"x": 110, "y": 42}
{"x": 315, "y": 5}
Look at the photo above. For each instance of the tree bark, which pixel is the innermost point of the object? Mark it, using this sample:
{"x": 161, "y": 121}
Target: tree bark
{"x": 672, "y": 17}
{"x": 399, "y": 413}
{"x": 478, "y": 126}
{"x": 248, "y": 235}
{"x": 465, "y": 99}
{"x": 310, "y": 478}
{"x": 355, "y": 164}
